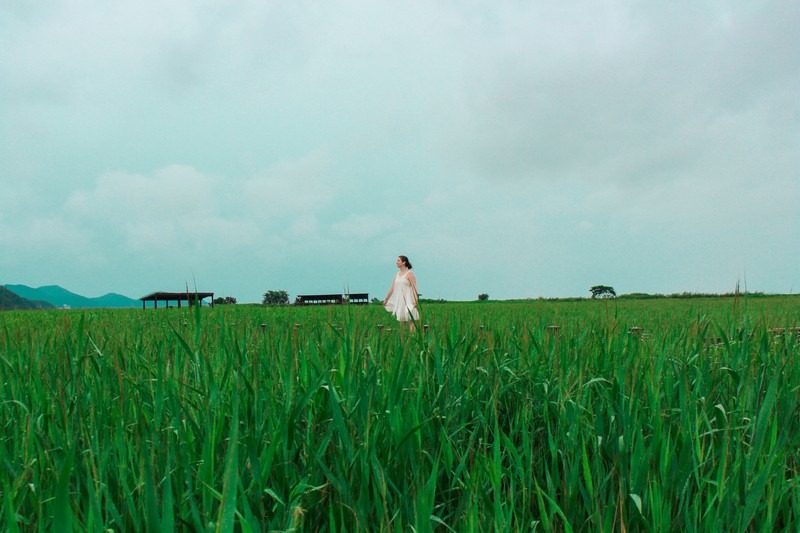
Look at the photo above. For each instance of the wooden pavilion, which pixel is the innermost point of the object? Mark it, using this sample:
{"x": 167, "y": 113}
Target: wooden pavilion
{"x": 167, "y": 297}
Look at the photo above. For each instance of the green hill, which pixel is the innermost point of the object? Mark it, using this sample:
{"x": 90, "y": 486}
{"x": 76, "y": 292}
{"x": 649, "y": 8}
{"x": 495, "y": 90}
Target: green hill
{"x": 60, "y": 297}
{"x": 11, "y": 300}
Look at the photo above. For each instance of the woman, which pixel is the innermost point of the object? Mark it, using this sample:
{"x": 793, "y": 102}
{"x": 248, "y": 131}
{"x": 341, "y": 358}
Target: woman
{"x": 402, "y": 300}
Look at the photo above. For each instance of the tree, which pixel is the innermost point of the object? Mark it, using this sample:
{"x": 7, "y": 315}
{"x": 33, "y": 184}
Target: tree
{"x": 276, "y": 298}
{"x": 483, "y": 297}
{"x": 603, "y": 291}
{"x": 224, "y": 301}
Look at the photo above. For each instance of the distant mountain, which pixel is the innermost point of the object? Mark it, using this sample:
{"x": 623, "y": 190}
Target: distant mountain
{"x": 60, "y": 297}
{"x": 113, "y": 299}
{"x": 11, "y": 300}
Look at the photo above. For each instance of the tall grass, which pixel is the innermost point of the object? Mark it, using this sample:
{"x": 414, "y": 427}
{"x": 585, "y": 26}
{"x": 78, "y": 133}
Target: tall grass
{"x": 277, "y": 419}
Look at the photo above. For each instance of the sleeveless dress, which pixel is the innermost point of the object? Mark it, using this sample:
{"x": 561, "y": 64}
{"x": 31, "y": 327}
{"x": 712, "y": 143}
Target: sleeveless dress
{"x": 402, "y": 302}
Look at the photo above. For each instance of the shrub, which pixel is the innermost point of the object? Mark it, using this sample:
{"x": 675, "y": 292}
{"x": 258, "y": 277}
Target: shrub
{"x": 275, "y": 298}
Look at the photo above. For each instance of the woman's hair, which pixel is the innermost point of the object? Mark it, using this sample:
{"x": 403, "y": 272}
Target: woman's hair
{"x": 405, "y": 261}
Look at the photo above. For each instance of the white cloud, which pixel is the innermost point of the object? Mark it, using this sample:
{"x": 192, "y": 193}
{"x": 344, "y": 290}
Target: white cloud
{"x": 174, "y": 191}
{"x": 292, "y": 187}
{"x": 619, "y": 109}
{"x": 363, "y": 227}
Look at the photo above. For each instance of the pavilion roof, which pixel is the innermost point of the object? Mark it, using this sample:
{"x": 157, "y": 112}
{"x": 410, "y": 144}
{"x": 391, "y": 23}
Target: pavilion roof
{"x": 172, "y": 296}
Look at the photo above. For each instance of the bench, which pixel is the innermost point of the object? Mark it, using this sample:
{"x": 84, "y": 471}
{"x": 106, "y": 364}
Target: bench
{"x": 319, "y": 299}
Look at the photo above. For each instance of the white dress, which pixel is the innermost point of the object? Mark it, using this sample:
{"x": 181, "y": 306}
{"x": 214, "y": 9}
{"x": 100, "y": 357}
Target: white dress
{"x": 402, "y": 302}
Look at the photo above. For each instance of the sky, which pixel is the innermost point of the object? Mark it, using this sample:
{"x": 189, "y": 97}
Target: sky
{"x": 520, "y": 149}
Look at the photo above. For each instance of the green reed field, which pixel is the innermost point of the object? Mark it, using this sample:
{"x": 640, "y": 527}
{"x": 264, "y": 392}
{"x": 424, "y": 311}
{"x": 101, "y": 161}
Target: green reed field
{"x": 246, "y": 418}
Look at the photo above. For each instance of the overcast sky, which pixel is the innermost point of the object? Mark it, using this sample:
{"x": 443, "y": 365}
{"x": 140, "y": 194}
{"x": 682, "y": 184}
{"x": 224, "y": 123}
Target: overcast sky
{"x": 519, "y": 149}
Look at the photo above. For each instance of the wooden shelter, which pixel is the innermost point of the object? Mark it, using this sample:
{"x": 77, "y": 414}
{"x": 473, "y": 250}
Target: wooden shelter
{"x": 357, "y": 298}
{"x": 167, "y": 297}
{"x": 319, "y": 299}
{"x": 360, "y": 298}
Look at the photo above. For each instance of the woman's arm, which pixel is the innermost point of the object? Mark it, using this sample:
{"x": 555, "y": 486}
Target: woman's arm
{"x": 389, "y": 294}
{"x": 412, "y": 279}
